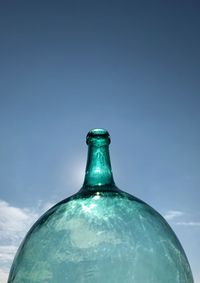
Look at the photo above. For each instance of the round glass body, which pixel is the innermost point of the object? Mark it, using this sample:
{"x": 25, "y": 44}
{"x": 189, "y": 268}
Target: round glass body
{"x": 101, "y": 237}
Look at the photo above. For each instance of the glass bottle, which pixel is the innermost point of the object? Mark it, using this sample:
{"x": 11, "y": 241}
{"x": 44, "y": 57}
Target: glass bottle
{"x": 101, "y": 234}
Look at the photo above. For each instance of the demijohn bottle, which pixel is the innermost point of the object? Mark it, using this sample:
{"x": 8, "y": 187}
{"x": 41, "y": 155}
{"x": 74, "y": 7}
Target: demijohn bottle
{"x": 100, "y": 235}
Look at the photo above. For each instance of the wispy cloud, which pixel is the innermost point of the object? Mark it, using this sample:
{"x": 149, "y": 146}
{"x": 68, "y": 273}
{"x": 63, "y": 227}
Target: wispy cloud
{"x": 171, "y": 214}
{"x": 180, "y": 218}
{"x": 6, "y": 253}
{"x": 3, "y": 275}
{"x": 14, "y": 224}
{"x": 190, "y": 223}
{"x": 14, "y": 221}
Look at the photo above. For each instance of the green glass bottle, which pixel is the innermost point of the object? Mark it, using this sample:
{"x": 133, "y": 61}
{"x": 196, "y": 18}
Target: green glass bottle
{"x": 101, "y": 234}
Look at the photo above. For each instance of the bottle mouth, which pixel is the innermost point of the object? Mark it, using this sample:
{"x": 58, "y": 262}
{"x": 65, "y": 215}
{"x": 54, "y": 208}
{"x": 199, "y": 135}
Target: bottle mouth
{"x": 98, "y": 137}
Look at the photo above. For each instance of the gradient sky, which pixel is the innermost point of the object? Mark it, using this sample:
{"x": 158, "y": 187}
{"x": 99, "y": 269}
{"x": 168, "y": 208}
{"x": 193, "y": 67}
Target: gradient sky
{"x": 132, "y": 67}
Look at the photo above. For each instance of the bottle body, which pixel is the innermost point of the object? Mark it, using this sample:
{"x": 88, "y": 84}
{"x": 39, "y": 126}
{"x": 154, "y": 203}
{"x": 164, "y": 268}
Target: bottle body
{"x": 108, "y": 237}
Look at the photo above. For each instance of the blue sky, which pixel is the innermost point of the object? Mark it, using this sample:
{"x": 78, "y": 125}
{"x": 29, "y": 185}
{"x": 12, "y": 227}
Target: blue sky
{"x": 132, "y": 67}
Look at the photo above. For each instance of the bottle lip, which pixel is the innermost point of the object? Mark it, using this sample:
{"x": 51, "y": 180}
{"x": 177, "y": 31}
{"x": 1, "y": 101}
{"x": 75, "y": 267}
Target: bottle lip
{"x": 98, "y": 135}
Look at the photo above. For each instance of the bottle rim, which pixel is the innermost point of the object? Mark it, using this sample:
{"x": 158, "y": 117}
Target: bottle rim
{"x": 98, "y": 134}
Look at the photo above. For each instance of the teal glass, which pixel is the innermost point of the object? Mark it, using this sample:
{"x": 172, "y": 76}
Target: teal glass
{"x": 101, "y": 234}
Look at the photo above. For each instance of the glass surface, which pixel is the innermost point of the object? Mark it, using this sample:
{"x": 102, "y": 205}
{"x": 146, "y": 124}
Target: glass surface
{"x": 100, "y": 234}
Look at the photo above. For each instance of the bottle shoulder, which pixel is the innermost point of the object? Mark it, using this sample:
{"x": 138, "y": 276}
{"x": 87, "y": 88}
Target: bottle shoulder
{"x": 101, "y": 206}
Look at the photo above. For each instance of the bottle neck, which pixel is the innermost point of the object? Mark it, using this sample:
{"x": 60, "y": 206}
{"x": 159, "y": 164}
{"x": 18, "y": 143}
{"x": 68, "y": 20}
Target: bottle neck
{"x": 98, "y": 169}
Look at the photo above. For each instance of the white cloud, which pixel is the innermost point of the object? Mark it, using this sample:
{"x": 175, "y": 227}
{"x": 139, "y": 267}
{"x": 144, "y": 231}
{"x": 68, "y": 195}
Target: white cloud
{"x": 14, "y": 224}
{"x": 6, "y": 253}
{"x": 3, "y": 276}
{"x": 14, "y": 221}
{"x": 171, "y": 214}
{"x": 190, "y": 223}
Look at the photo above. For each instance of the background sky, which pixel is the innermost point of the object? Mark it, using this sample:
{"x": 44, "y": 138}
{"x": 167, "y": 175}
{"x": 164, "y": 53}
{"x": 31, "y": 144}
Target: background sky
{"x": 132, "y": 67}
